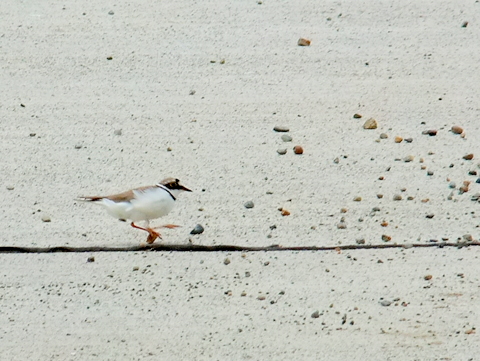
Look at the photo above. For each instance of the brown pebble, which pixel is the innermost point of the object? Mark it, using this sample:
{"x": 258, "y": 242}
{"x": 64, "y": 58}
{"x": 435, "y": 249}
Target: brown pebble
{"x": 386, "y": 238}
{"x": 281, "y": 129}
{"x": 261, "y": 298}
{"x": 357, "y": 199}
{"x": 284, "y": 212}
{"x": 343, "y": 210}
{"x": 90, "y": 259}
{"x": 430, "y": 132}
{"x": 381, "y": 178}
{"x": 379, "y": 196}
{"x": 341, "y": 225}
{"x": 398, "y": 139}
{"x": 408, "y": 158}
{"x": 428, "y": 277}
{"x": 397, "y": 197}
{"x": 357, "y": 116}
{"x": 468, "y": 156}
{"x": 298, "y": 149}
{"x": 464, "y": 24}
{"x": 226, "y": 261}
{"x": 303, "y": 42}
{"x": 457, "y": 129}
{"x": 370, "y": 124}
{"x": 425, "y": 200}
{"x": 384, "y": 224}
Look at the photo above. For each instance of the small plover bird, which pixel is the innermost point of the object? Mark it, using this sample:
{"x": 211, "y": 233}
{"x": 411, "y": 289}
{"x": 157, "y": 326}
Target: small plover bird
{"x": 143, "y": 204}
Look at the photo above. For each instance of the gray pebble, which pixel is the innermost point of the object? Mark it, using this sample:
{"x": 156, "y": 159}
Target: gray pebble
{"x": 408, "y": 140}
{"x": 279, "y": 128}
{"x": 408, "y": 158}
{"x": 383, "y": 136}
{"x": 198, "y": 229}
{"x": 385, "y": 303}
{"x": 111, "y": 12}
{"x": 282, "y": 151}
{"x": 78, "y": 146}
{"x": 316, "y": 314}
{"x": 118, "y": 132}
{"x": 397, "y": 197}
{"x": 376, "y": 209}
{"x": 10, "y": 188}
{"x": 360, "y": 241}
{"x": 286, "y": 138}
{"x": 429, "y": 172}
{"x": 46, "y": 219}
{"x": 452, "y": 185}
{"x": 249, "y": 204}
{"x": 226, "y": 261}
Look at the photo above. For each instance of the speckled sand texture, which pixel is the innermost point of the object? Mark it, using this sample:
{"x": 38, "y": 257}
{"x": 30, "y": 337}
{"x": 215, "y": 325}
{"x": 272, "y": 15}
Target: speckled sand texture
{"x": 100, "y": 97}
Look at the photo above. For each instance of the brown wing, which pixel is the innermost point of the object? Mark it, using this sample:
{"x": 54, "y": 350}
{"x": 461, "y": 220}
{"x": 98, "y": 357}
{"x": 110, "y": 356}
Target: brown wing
{"x": 120, "y": 197}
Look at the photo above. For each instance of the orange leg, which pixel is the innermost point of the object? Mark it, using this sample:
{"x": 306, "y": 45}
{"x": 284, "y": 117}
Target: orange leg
{"x": 152, "y": 235}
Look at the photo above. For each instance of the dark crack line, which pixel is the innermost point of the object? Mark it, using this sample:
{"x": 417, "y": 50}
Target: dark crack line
{"x": 226, "y": 248}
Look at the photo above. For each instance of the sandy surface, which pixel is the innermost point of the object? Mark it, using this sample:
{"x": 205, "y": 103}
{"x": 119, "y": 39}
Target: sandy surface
{"x": 185, "y": 112}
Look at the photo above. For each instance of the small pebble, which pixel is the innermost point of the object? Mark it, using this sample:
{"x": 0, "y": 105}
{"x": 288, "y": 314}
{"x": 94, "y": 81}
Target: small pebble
{"x": 284, "y": 212}
{"x": 261, "y": 298}
{"x": 379, "y": 196}
{"x": 198, "y": 229}
{"x": 169, "y": 149}
{"x": 430, "y": 132}
{"x": 428, "y": 277}
{"x": 429, "y": 172}
{"x": 298, "y": 149}
{"x": 10, "y": 188}
{"x": 408, "y": 158}
{"x": 464, "y": 24}
{"x": 370, "y": 124}
{"x": 376, "y": 209}
{"x": 46, "y": 219}
{"x": 316, "y": 314}
{"x": 409, "y": 140}
{"x": 410, "y": 198}
{"x": 248, "y": 204}
{"x": 117, "y": 132}
{"x": 397, "y": 197}
{"x": 472, "y": 172}
{"x": 468, "y": 157}
{"x": 457, "y": 130}
{"x": 136, "y": 268}
{"x": 398, "y": 139}
{"x": 78, "y": 146}
{"x": 226, "y": 261}
{"x": 385, "y": 303}
{"x": 343, "y": 210}
{"x": 111, "y": 12}
{"x": 279, "y": 128}
{"x": 286, "y": 138}
{"x": 452, "y": 185}
{"x": 360, "y": 241}
{"x": 282, "y": 151}
{"x": 341, "y": 225}
{"x": 386, "y": 238}
{"x": 357, "y": 116}
{"x": 383, "y": 136}
{"x": 357, "y": 199}
{"x": 430, "y": 216}
{"x": 478, "y": 180}
{"x": 90, "y": 259}
{"x": 33, "y": 134}
{"x": 303, "y": 42}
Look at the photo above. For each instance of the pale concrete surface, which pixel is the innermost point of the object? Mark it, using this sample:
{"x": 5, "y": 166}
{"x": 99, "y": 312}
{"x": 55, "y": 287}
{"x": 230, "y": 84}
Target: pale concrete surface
{"x": 410, "y": 65}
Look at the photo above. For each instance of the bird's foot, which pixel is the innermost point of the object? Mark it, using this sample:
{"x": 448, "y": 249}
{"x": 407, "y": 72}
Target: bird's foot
{"x": 152, "y": 235}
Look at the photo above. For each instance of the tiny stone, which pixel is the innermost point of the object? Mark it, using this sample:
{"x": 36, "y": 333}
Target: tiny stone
{"x": 370, "y": 124}
{"x": 468, "y": 237}
{"x": 111, "y": 12}
{"x": 243, "y": 294}
{"x": 341, "y": 225}
{"x": 261, "y": 298}
{"x": 428, "y": 277}
{"x": 357, "y": 116}
{"x": 379, "y": 196}
{"x": 248, "y": 204}
{"x": 343, "y": 210}
{"x": 457, "y": 130}
{"x": 429, "y": 172}
{"x": 78, "y": 146}
{"x": 452, "y": 185}
{"x": 282, "y": 151}
{"x": 303, "y": 42}
{"x": 468, "y": 157}
{"x": 286, "y": 138}
{"x": 169, "y": 149}
{"x": 46, "y": 219}
{"x": 430, "y": 132}
{"x": 383, "y": 136}
{"x": 90, "y": 259}
{"x": 226, "y": 261}
{"x": 409, "y": 140}
{"x": 279, "y": 128}
{"x": 118, "y": 132}
{"x": 478, "y": 180}
{"x": 472, "y": 172}
{"x": 410, "y": 198}
{"x": 33, "y": 134}
{"x": 336, "y": 160}
{"x": 398, "y": 139}
{"x": 357, "y": 199}
{"x": 360, "y": 240}
{"x": 222, "y": 61}
{"x": 316, "y": 314}
{"x": 198, "y": 229}
{"x": 464, "y": 24}
{"x": 386, "y": 238}
{"x": 192, "y": 92}
{"x": 10, "y": 188}
{"x": 376, "y": 209}
{"x": 298, "y": 149}
{"x": 385, "y": 303}
{"x": 397, "y": 197}
{"x": 430, "y": 216}
{"x": 408, "y": 158}
{"x": 136, "y": 268}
